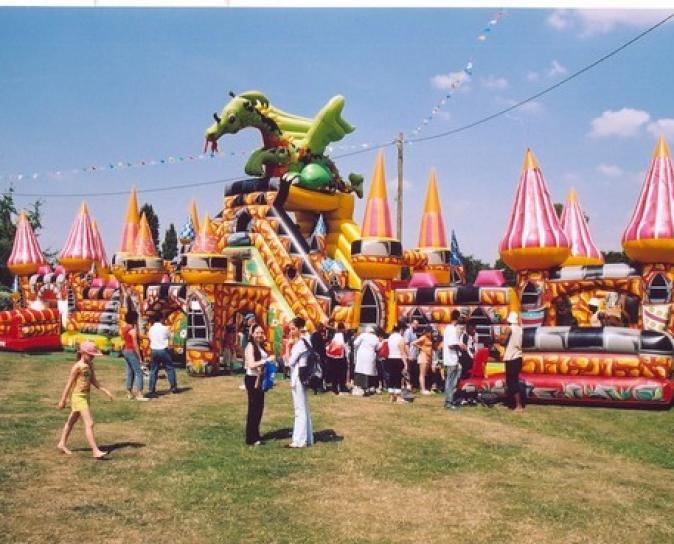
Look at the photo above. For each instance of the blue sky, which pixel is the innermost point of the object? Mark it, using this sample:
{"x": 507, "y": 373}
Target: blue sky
{"x": 95, "y": 86}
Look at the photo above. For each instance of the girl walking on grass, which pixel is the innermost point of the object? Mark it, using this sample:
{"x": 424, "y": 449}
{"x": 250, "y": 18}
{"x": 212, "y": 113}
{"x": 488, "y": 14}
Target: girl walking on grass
{"x": 82, "y": 376}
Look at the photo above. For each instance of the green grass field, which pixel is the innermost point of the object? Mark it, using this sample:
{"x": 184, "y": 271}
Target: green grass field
{"x": 179, "y": 471}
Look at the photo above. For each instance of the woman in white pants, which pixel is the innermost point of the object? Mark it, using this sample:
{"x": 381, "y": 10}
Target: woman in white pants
{"x": 303, "y": 434}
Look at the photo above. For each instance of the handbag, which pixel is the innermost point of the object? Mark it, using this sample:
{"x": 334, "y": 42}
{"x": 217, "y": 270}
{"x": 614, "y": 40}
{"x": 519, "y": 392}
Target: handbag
{"x": 311, "y": 373}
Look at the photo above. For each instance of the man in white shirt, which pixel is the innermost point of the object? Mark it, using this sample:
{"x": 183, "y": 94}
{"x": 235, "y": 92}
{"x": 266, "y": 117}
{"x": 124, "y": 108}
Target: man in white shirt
{"x": 451, "y": 344}
{"x": 513, "y": 362}
{"x": 159, "y": 339}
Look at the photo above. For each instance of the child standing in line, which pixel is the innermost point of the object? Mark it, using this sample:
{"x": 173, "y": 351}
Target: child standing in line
{"x": 79, "y": 383}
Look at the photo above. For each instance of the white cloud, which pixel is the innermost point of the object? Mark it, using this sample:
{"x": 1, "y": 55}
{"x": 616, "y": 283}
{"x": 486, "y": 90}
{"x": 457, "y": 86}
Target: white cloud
{"x": 532, "y": 76}
{"x": 662, "y": 127}
{"x": 624, "y": 123}
{"x": 444, "y": 115}
{"x": 451, "y": 81}
{"x": 556, "y": 69}
{"x": 559, "y": 19}
{"x": 493, "y": 82}
{"x": 610, "y": 170}
{"x": 601, "y": 21}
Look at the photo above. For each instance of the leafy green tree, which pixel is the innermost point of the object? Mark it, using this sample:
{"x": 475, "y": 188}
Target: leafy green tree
{"x": 8, "y": 216}
{"x": 153, "y": 221}
{"x": 169, "y": 249}
{"x": 615, "y": 257}
{"x": 471, "y": 266}
{"x": 559, "y": 208}
{"x": 508, "y": 274}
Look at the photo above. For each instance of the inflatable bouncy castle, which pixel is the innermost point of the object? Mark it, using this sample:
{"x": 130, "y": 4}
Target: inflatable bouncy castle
{"x": 593, "y": 332}
{"x": 285, "y": 242}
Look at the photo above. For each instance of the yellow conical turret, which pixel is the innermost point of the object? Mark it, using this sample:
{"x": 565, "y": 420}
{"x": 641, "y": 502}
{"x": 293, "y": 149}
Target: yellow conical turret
{"x": 144, "y": 246}
{"x": 432, "y": 234}
{"x": 204, "y": 263}
{"x": 194, "y": 216}
{"x": 377, "y": 255}
{"x": 377, "y": 220}
{"x": 131, "y": 225}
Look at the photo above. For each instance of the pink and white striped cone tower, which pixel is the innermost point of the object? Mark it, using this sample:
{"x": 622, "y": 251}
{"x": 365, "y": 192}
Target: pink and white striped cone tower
{"x": 584, "y": 252}
{"x": 26, "y": 257}
{"x": 80, "y": 251}
{"x": 102, "y": 261}
{"x": 649, "y": 236}
{"x": 534, "y": 238}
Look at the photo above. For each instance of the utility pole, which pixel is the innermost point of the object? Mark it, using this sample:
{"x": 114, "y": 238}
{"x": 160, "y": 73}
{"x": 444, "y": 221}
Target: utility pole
{"x": 399, "y": 198}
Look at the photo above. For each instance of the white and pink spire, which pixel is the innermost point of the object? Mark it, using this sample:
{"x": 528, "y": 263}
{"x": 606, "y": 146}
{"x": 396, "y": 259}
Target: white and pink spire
{"x": 26, "y": 257}
{"x": 583, "y": 249}
{"x": 534, "y": 239}
{"x": 100, "y": 248}
{"x": 80, "y": 251}
{"x": 649, "y": 236}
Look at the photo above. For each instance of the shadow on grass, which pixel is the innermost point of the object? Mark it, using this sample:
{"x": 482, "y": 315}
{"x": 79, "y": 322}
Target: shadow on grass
{"x": 115, "y": 446}
{"x": 327, "y": 435}
{"x": 168, "y": 391}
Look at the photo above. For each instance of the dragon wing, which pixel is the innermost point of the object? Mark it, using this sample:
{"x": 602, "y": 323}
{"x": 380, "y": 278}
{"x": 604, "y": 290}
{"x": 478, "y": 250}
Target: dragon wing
{"x": 327, "y": 127}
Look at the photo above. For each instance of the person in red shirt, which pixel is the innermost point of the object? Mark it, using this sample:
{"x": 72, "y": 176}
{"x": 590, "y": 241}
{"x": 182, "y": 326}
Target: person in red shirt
{"x": 131, "y": 354}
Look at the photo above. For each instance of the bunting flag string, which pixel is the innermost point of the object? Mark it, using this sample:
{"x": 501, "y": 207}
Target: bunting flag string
{"x": 119, "y": 165}
{"x": 458, "y": 78}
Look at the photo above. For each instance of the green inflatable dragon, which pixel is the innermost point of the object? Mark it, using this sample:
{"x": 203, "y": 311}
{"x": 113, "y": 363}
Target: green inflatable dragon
{"x": 293, "y": 146}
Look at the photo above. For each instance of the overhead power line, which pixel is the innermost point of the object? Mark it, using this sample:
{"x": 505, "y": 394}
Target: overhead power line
{"x": 546, "y": 90}
{"x": 391, "y": 142}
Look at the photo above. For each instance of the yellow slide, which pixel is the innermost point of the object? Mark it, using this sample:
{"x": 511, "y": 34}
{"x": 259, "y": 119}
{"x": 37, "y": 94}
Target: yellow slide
{"x": 337, "y": 209}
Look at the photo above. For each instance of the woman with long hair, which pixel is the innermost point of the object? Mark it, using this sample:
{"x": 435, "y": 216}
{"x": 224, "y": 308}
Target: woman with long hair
{"x": 254, "y": 357}
{"x": 303, "y": 434}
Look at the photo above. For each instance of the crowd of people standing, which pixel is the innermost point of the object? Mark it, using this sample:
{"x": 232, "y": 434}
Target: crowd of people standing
{"x": 413, "y": 357}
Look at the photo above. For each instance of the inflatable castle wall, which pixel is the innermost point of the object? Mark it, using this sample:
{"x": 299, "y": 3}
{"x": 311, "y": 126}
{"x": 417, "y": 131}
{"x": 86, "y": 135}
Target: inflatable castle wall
{"x": 593, "y": 332}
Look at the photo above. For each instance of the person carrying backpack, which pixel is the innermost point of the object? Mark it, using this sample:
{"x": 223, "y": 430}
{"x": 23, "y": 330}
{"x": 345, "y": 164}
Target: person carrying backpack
{"x": 303, "y": 435}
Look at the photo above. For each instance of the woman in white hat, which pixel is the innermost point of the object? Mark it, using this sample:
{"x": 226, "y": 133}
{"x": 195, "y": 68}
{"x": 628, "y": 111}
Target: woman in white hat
{"x": 513, "y": 361}
{"x": 82, "y": 377}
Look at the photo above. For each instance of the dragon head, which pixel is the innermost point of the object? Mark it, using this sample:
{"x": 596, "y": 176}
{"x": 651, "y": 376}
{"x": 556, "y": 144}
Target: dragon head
{"x": 241, "y": 112}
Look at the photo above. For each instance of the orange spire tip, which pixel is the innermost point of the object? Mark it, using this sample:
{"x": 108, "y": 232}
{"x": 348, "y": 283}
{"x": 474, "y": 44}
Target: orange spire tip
{"x": 194, "y": 216}
{"x": 378, "y": 187}
{"x": 530, "y": 161}
{"x": 132, "y": 208}
{"x": 572, "y": 196}
{"x": 661, "y": 149}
